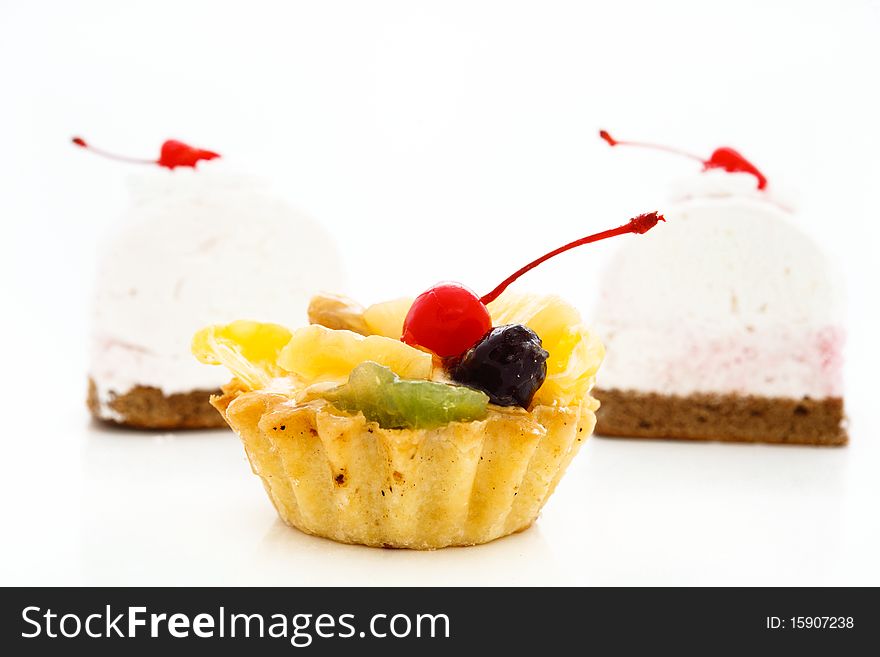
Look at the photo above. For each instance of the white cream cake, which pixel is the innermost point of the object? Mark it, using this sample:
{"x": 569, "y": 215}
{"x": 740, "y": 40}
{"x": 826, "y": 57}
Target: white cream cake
{"x": 724, "y": 323}
{"x": 196, "y": 247}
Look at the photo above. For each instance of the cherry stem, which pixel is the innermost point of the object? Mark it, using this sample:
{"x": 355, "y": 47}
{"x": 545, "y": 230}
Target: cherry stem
{"x": 641, "y": 144}
{"x": 79, "y": 141}
{"x": 641, "y": 224}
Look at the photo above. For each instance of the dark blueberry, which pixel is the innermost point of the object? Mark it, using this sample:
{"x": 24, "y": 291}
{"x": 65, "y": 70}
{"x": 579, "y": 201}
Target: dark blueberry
{"x": 508, "y": 364}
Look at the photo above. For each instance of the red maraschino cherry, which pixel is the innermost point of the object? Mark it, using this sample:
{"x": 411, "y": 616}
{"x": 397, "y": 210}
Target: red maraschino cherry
{"x": 173, "y": 154}
{"x": 722, "y": 158}
{"x": 449, "y": 318}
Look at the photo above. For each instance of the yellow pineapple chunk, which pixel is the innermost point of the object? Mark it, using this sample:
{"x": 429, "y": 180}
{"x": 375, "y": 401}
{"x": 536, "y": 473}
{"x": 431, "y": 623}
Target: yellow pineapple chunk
{"x": 248, "y": 349}
{"x": 316, "y": 353}
{"x": 386, "y": 318}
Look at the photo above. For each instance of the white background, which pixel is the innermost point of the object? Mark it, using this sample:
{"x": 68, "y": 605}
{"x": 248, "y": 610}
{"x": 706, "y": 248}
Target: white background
{"x": 442, "y": 140}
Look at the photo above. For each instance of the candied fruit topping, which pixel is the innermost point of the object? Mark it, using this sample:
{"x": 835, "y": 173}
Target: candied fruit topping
{"x": 575, "y": 353}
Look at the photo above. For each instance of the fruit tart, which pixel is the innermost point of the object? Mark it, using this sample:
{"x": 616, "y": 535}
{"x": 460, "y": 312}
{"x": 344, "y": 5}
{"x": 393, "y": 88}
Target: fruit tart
{"x": 440, "y": 421}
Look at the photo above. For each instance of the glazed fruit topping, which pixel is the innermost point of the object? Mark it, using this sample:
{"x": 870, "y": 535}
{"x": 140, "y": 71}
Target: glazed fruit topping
{"x": 172, "y": 155}
{"x": 449, "y": 318}
{"x": 575, "y": 353}
{"x": 395, "y": 403}
{"x": 509, "y": 364}
{"x": 722, "y": 158}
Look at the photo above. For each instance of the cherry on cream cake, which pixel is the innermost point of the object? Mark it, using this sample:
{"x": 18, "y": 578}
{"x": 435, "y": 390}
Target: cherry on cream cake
{"x": 733, "y": 330}
{"x": 439, "y": 421}
{"x": 166, "y": 270}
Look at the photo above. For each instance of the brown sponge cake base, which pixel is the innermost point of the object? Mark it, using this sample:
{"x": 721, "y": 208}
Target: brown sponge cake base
{"x": 145, "y": 407}
{"x": 729, "y": 417}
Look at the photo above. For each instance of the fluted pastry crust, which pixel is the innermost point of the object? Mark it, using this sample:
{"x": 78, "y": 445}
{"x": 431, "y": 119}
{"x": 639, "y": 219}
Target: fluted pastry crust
{"x": 339, "y": 476}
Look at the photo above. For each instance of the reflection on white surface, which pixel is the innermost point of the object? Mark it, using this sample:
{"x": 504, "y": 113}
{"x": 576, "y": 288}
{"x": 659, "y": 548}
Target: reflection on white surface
{"x": 503, "y": 562}
{"x": 185, "y": 509}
